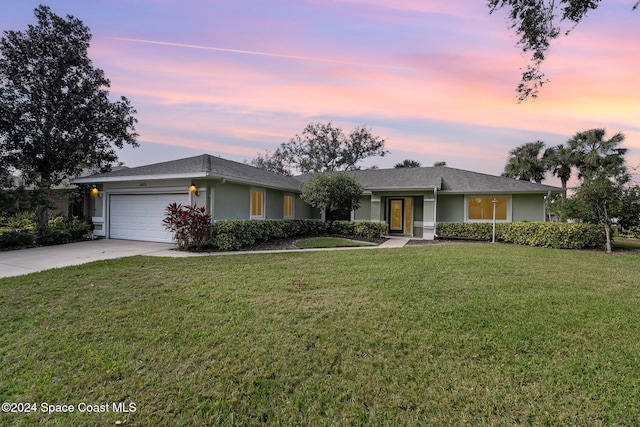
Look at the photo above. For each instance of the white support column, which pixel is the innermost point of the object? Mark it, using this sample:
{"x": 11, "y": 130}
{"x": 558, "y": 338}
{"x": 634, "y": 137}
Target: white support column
{"x": 428, "y": 216}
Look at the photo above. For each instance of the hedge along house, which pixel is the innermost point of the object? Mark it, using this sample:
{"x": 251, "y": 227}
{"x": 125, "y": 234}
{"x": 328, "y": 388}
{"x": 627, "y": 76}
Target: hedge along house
{"x": 131, "y": 203}
{"x": 411, "y": 201}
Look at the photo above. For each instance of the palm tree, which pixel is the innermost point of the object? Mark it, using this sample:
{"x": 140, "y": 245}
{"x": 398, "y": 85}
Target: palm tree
{"x": 525, "y": 163}
{"x": 408, "y": 164}
{"x": 596, "y": 155}
{"x": 559, "y": 161}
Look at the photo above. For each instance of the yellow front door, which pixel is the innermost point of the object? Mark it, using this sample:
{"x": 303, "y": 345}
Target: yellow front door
{"x": 396, "y": 215}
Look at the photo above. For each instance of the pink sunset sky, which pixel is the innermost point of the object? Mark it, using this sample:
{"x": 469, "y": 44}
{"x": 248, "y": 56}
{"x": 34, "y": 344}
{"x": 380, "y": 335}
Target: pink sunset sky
{"x": 436, "y": 79}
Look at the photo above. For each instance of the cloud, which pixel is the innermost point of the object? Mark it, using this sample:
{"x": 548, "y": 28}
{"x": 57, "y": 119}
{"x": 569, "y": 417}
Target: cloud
{"x": 248, "y": 52}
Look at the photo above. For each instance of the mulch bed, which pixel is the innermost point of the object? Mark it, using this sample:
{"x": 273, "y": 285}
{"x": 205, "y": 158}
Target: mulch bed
{"x": 290, "y": 244}
{"x": 421, "y": 242}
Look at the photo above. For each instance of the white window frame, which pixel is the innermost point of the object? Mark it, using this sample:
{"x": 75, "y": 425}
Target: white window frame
{"x": 262, "y": 208}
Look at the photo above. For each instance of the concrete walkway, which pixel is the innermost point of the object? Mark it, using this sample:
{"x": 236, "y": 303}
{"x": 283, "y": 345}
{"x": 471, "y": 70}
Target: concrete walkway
{"x": 394, "y": 242}
{"x": 25, "y": 261}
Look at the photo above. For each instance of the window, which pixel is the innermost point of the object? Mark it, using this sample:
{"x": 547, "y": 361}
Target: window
{"x": 288, "y": 206}
{"x": 257, "y": 204}
{"x": 481, "y": 208}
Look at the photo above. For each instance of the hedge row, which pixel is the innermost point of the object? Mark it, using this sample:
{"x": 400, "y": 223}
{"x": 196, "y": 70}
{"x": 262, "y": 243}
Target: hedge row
{"x": 546, "y": 234}
{"x": 632, "y": 232}
{"x": 233, "y": 235}
{"x": 62, "y": 232}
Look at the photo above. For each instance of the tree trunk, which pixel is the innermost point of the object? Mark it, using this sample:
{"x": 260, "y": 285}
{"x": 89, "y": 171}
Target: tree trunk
{"x": 607, "y": 232}
{"x": 42, "y": 216}
{"x": 607, "y": 228}
{"x": 41, "y": 195}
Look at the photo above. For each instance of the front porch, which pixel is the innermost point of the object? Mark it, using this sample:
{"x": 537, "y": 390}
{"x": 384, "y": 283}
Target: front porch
{"x": 407, "y": 214}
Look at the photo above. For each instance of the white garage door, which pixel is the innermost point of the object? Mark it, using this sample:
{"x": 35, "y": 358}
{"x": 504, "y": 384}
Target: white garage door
{"x": 139, "y": 216}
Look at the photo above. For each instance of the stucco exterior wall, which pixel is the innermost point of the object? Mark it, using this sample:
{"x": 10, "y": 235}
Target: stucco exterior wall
{"x": 274, "y": 204}
{"x": 231, "y": 201}
{"x": 528, "y": 207}
{"x": 524, "y": 207}
{"x": 301, "y": 210}
{"x": 450, "y": 208}
{"x": 363, "y": 213}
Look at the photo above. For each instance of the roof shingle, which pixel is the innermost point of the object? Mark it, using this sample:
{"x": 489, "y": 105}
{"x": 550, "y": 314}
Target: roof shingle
{"x": 444, "y": 179}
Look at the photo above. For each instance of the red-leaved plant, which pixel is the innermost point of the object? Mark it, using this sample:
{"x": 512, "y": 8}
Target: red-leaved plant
{"x": 190, "y": 225}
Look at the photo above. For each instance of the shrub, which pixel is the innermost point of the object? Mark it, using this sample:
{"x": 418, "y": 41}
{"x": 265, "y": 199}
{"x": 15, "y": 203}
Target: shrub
{"x": 25, "y": 220}
{"x": 546, "y": 234}
{"x": 53, "y": 236}
{"x": 632, "y": 232}
{"x": 56, "y": 222}
{"x": 60, "y": 231}
{"x": 190, "y": 225}
{"x": 370, "y": 230}
{"x": 77, "y": 228}
{"x": 16, "y": 239}
{"x": 345, "y": 228}
{"x": 479, "y": 230}
{"x": 232, "y": 235}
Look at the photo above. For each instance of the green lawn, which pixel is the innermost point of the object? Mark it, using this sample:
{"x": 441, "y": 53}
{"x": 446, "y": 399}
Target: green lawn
{"x": 622, "y": 243}
{"x": 464, "y": 334}
{"x": 329, "y": 242}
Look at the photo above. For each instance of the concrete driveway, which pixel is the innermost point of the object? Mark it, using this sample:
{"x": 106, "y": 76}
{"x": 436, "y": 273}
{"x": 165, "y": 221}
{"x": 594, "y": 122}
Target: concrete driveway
{"x": 24, "y": 261}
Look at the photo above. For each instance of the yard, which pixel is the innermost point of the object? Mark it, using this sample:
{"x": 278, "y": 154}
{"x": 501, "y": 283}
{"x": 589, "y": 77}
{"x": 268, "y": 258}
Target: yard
{"x": 460, "y": 334}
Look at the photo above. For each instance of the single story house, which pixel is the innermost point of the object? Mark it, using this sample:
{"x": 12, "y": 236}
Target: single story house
{"x": 130, "y": 203}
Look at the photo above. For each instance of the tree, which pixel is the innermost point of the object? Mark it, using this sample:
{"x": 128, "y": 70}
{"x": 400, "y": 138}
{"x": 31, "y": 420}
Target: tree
{"x": 273, "y": 162}
{"x": 604, "y": 193}
{"x": 630, "y": 212}
{"x": 598, "y": 200}
{"x": 408, "y": 164}
{"x": 559, "y": 161}
{"x": 597, "y": 155}
{"x": 332, "y": 192}
{"x": 323, "y": 147}
{"x": 436, "y": 164}
{"x": 537, "y": 23}
{"x": 55, "y": 114}
{"x": 525, "y": 163}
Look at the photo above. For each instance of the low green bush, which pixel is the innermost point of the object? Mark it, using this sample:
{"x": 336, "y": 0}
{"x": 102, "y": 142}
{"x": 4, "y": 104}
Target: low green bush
{"x": 60, "y": 230}
{"x": 57, "y": 221}
{"x": 233, "y": 235}
{"x": 53, "y": 236}
{"x": 632, "y": 232}
{"x": 25, "y": 220}
{"x": 16, "y": 239}
{"x": 370, "y": 230}
{"x": 546, "y": 234}
{"x": 78, "y": 228}
{"x": 343, "y": 228}
{"x": 479, "y": 230}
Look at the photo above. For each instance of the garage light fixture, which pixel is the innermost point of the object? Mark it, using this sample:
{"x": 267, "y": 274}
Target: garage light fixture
{"x": 95, "y": 192}
{"x": 193, "y": 189}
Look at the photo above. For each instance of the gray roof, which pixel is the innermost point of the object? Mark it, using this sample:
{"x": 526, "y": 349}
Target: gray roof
{"x": 445, "y": 179}
{"x": 202, "y": 166}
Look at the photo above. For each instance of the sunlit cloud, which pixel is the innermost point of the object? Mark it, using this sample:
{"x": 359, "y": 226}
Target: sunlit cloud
{"x": 436, "y": 79}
